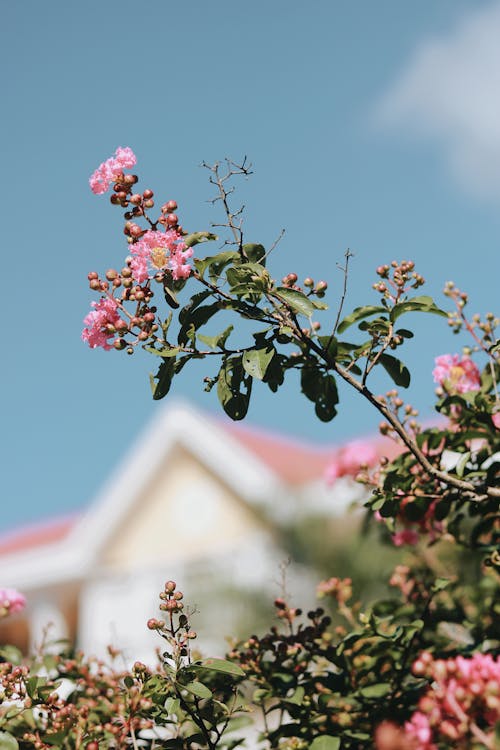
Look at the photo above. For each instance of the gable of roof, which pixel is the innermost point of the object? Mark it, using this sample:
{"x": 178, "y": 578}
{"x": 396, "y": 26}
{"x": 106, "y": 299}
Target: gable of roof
{"x": 262, "y": 469}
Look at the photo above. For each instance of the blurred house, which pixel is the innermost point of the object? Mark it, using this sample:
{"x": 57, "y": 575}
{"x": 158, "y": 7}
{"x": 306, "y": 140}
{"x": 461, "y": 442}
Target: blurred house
{"x": 197, "y": 500}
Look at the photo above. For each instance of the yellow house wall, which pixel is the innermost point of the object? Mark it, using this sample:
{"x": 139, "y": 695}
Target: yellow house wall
{"x": 184, "y": 512}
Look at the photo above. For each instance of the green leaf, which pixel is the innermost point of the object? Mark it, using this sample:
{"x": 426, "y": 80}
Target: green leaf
{"x": 417, "y": 304}
{"x": 198, "y": 689}
{"x": 195, "y": 319}
{"x": 234, "y": 388}
{"x": 325, "y": 742}
{"x": 11, "y": 654}
{"x": 440, "y": 584}
{"x": 330, "y": 345}
{"x": 396, "y": 370}
{"x": 221, "y": 665}
{"x": 275, "y": 374}
{"x": 298, "y": 302}
{"x": 165, "y": 353}
{"x": 194, "y": 302}
{"x": 218, "y": 341}
{"x": 380, "y": 690}
{"x": 164, "y": 379}
{"x": 405, "y": 333}
{"x": 309, "y": 382}
{"x": 455, "y": 632}
{"x": 462, "y": 463}
{"x": 297, "y": 697}
{"x": 196, "y": 237}
{"x": 8, "y": 741}
{"x": 358, "y": 314}
{"x": 327, "y": 399}
{"x": 172, "y": 705}
{"x": 170, "y": 297}
{"x": 255, "y": 253}
{"x": 256, "y": 361}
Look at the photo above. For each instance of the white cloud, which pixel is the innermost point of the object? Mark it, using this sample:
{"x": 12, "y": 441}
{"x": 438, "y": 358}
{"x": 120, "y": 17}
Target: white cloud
{"x": 450, "y": 92}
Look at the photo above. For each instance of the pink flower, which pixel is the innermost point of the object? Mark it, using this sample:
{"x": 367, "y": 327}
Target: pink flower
{"x": 495, "y": 418}
{"x": 11, "y": 601}
{"x": 455, "y": 374}
{"x": 350, "y": 459}
{"x": 406, "y": 536}
{"x": 418, "y": 728}
{"x": 158, "y": 251}
{"x": 107, "y": 172}
{"x": 104, "y": 314}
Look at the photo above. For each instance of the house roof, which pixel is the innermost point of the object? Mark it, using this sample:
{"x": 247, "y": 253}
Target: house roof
{"x": 263, "y": 471}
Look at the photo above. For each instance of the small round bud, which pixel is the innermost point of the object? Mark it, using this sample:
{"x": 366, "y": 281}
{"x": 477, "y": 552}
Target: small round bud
{"x": 172, "y": 220}
{"x": 308, "y": 282}
{"x": 147, "y": 194}
{"x": 170, "y": 586}
{"x": 135, "y": 199}
{"x": 111, "y": 274}
{"x": 135, "y": 230}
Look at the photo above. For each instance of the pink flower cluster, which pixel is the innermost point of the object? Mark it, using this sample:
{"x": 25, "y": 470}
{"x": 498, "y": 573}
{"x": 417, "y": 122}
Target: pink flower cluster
{"x": 11, "y": 601}
{"x": 462, "y": 703}
{"x": 350, "y": 459}
{"x": 108, "y": 171}
{"x": 456, "y": 374}
{"x": 104, "y": 314}
{"x": 157, "y": 251}
{"x": 410, "y": 534}
{"x": 339, "y": 589}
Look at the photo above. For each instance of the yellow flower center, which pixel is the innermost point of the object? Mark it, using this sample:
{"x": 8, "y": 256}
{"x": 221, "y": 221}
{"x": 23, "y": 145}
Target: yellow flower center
{"x": 158, "y": 257}
{"x": 456, "y": 373}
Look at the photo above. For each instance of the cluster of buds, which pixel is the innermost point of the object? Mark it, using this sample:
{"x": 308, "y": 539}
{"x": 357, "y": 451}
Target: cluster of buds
{"x": 178, "y": 632}
{"x": 157, "y": 253}
{"x": 483, "y": 331}
{"x": 111, "y": 320}
{"x": 462, "y": 705}
{"x": 12, "y": 678}
{"x": 122, "y": 189}
{"x": 318, "y": 290}
{"x": 397, "y": 279}
{"x": 339, "y": 589}
{"x": 171, "y": 599}
{"x": 405, "y": 413}
{"x": 284, "y": 612}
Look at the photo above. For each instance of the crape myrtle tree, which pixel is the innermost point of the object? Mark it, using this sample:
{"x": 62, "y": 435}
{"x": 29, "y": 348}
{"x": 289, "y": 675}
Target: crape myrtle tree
{"x": 418, "y": 670}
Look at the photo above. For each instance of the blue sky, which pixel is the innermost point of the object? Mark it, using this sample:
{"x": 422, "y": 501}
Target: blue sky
{"x": 373, "y": 126}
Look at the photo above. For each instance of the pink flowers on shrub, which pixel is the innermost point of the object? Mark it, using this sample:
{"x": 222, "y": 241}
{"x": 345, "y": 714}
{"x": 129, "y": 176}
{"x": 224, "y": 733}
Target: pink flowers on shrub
{"x": 108, "y": 171}
{"x": 157, "y": 251}
{"x": 461, "y": 705}
{"x": 350, "y": 459}
{"x": 11, "y": 601}
{"x": 456, "y": 374}
{"x": 104, "y": 314}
